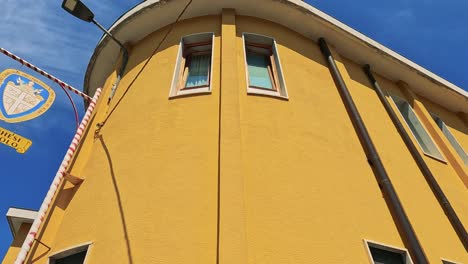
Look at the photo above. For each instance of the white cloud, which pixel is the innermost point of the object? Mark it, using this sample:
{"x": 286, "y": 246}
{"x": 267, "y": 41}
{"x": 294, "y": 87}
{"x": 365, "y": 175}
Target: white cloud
{"x": 34, "y": 31}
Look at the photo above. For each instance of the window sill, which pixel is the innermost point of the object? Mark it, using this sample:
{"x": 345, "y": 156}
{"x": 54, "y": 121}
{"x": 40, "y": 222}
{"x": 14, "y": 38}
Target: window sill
{"x": 192, "y": 91}
{"x": 265, "y": 92}
{"x": 435, "y": 158}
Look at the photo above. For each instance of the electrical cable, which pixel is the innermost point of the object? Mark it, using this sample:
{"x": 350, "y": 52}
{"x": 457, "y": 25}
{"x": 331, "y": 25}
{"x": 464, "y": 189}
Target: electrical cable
{"x": 146, "y": 63}
{"x": 77, "y": 121}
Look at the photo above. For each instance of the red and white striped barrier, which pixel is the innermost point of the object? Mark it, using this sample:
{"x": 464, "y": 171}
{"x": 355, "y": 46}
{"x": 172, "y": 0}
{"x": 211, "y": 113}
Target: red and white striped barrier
{"x": 44, "y": 73}
{"x": 28, "y": 242}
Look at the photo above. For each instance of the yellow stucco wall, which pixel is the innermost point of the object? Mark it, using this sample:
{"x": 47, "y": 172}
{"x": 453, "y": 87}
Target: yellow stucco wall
{"x": 310, "y": 195}
{"x": 422, "y": 208}
{"x": 15, "y": 246}
{"x": 455, "y": 124}
{"x": 242, "y": 178}
{"x": 150, "y": 190}
{"x": 450, "y": 180}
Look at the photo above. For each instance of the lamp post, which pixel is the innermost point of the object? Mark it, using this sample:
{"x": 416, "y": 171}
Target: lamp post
{"x": 81, "y": 11}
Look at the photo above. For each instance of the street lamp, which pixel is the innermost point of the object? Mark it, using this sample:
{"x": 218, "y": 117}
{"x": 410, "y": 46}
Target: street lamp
{"x": 78, "y": 9}
{"x": 81, "y": 11}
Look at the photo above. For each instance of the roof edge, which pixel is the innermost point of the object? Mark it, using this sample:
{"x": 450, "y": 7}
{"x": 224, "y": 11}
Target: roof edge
{"x": 333, "y": 24}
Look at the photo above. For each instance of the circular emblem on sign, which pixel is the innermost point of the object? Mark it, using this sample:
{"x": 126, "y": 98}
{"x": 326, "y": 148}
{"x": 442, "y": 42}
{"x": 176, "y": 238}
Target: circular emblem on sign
{"x": 23, "y": 97}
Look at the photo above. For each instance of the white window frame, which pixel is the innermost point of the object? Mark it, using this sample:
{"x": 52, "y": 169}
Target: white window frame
{"x": 442, "y": 157}
{"x": 465, "y": 160}
{"x": 70, "y": 251}
{"x": 282, "y": 91}
{"x": 175, "y": 90}
{"x": 369, "y": 243}
{"x": 446, "y": 261}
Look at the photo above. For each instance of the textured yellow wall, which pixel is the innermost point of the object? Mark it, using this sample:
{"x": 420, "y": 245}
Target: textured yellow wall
{"x": 60, "y": 203}
{"x": 432, "y": 227}
{"x": 232, "y": 226}
{"x": 150, "y": 189}
{"x": 450, "y": 157}
{"x": 310, "y": 195}
{"x": 294, "y": 182}
{"x": 456, "y": 125}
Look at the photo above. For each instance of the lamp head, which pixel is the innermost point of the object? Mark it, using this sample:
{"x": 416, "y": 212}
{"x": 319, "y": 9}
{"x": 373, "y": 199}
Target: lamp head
{"x": 78, "y": 9}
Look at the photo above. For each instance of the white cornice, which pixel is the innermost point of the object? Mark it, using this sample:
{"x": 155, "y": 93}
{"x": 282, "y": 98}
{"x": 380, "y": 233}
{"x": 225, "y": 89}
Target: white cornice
{"x": 18, "y": 216}
{"x": 297, "y": 15}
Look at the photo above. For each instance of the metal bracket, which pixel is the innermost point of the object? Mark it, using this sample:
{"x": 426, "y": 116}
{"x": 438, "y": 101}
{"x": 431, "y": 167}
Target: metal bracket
{"x": 73, "y": 179}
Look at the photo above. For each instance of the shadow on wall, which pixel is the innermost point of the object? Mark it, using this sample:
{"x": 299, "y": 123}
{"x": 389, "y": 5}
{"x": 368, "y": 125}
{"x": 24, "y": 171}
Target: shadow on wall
{"x": 119, "y": 200}
{"x": 356, "y": 73}
{"x": 450, "y": 119}
{"x": 65, "y": 195}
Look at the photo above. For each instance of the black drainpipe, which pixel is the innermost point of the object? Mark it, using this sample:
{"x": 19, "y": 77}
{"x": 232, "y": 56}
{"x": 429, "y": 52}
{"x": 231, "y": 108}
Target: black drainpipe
{"x": 444, "y": 202}
{"x": 390, "y": 195}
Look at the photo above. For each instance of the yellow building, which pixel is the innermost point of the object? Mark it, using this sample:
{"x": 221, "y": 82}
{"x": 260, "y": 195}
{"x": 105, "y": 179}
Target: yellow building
{"x": 237, "y": 136}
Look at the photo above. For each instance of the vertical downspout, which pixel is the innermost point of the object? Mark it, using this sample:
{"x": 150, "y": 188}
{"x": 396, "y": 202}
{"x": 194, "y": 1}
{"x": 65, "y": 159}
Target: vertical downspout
{"x": 396, "y": 208}
{"x": 439, "y": 194}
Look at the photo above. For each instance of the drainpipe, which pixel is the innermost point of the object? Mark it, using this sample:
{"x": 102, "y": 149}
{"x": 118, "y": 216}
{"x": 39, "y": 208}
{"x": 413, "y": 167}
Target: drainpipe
{"x": 393, "y": 202}
{"x": 439, "y": 194}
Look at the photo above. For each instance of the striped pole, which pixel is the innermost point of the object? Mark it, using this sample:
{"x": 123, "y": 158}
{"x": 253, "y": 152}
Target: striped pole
{"x": 46, "y": 74}
{"x": 56, "y": 182}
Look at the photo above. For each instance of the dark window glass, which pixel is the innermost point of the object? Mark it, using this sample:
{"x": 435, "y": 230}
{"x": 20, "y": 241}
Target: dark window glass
{"x": 77, "y": 258}
{"x": 381, "y": 256}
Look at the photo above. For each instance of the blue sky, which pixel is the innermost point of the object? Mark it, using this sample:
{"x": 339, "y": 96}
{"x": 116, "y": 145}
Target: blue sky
{"x": 433, "y": 34}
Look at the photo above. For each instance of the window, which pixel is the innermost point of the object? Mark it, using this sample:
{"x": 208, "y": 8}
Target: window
{"x": 193, "y": 71}
{"x": 263, "y": 67}
{"x": 76, "y": 255}
{"x": 428, "y": 146}
{"x": 381, "y": 254}
{"x": 451, "y": 138}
